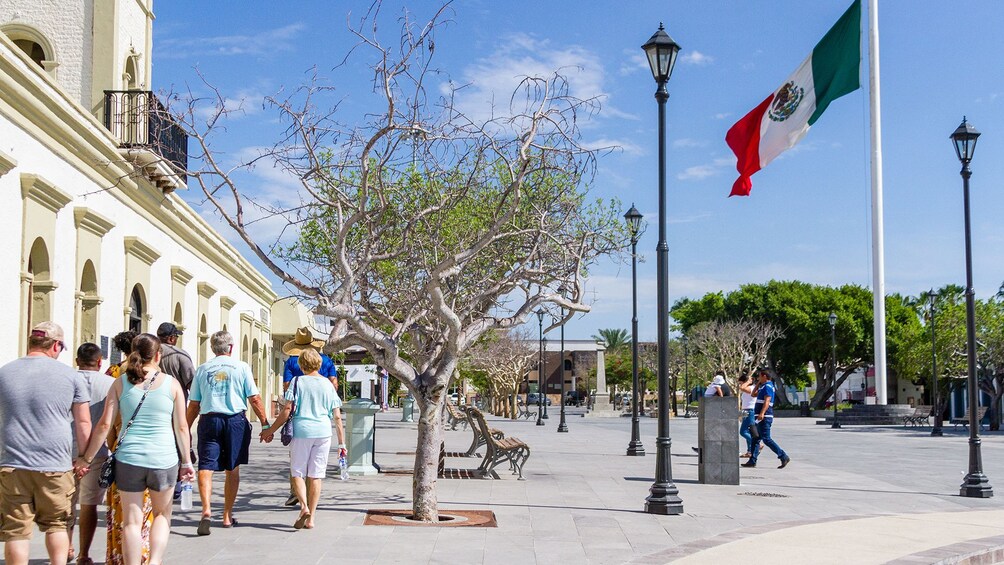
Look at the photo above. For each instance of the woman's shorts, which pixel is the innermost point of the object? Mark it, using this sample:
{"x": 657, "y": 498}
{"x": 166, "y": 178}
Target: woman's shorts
{"x": 130, "y": 478}
{"x": 308, "y": 457}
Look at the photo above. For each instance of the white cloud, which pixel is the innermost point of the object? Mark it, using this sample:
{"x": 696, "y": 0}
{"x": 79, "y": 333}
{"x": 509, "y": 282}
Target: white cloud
{"x": 687, "y": 142}
{"x": 633, "y": 63}
{"x": 698, "y": 172}
{"x": 722, "y": 115}
{"x": 491, "y": 82}
{"x": 262, "y": 43}
{"x": 244, "y": 103}
{"x": 696, "y": 58}
{"x": 621, "y": 145}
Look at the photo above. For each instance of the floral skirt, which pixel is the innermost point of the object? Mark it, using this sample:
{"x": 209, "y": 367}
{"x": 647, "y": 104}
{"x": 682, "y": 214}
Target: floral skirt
{"x": 114, "y": 554}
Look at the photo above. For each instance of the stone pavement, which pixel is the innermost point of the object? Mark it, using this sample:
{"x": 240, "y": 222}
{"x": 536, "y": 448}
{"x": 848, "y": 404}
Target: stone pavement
{"x": 856, "y": 495}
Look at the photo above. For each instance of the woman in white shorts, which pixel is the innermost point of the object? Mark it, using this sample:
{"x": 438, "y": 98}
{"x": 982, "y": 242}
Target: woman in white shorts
{"x": 316, "y": 405}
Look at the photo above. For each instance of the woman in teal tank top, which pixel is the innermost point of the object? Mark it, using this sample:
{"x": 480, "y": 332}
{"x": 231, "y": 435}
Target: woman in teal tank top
{"x": 146, "y": 458}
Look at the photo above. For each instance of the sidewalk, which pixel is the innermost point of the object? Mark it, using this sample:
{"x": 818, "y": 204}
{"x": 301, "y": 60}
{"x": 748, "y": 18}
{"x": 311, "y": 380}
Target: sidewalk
{"x": 856, "y": 495}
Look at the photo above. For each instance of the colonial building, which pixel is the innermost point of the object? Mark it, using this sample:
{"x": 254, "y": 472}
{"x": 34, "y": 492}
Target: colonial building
{"x": 95, "y": 236}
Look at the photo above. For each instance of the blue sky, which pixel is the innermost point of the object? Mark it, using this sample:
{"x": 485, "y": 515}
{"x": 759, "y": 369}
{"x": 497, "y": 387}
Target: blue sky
{"x": 809, "y": 215}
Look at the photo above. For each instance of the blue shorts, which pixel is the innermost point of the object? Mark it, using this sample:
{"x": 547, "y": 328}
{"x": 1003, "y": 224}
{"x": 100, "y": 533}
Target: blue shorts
{"x": 224, "y": 441}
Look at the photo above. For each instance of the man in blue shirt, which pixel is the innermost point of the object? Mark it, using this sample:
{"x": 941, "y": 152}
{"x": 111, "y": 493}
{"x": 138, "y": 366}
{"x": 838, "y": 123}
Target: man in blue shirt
{"x": 764, "y": 416}
{"x": 221, "y": 391}
{"x": 304, "y": 339}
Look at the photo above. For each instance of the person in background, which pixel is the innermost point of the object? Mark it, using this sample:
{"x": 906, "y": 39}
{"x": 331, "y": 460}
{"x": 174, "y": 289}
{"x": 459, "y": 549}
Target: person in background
{"x": 222, "y": 389}
{"x": 152, "y": 406}
{"x": 303, "y": 340}
{"x": 123, "y": 342}
{"x": 718, "y": 387}
{"x": 316, "y": 403}
{"x": 88, "y": 492}
{"x": 42, "y": 403}
{"x": 747, "y": 403}
{"x": 764, "y": 414}
{"x": 175, "y": 361}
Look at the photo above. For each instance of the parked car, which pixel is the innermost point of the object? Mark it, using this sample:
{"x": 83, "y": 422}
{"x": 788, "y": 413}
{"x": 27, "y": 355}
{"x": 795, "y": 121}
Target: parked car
{"x": 531, "y": 399}
{"x": 575, "y": 398}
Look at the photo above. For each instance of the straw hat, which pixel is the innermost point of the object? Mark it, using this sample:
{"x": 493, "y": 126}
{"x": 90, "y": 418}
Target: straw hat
{"x": 302, "y": 340}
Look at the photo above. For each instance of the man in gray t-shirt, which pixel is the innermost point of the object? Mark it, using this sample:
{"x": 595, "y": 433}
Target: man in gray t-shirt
{"x": 39, "y": 398}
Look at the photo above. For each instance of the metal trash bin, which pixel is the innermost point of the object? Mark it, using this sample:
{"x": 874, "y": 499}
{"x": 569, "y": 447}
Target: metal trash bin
{"x": 360, "y": 435}
{"x": 803, "y": 409}
{"x": 408, "y": 409}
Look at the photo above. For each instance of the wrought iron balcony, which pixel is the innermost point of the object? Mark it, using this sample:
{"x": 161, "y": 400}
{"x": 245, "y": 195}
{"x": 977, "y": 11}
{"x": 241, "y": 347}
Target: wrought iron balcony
{"x": 149, "y": 136}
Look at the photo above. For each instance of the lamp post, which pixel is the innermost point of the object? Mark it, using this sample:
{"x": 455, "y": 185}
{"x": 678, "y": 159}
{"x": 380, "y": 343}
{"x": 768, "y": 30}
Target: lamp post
{"x": 543, "y": 391}
{"x": 937, "y": 430}
{"x": 562, "y": 426}
{"x": 975, "y": 484}
{"x": 833, "y": 367}
{"x": 633, "y": 218}
{"x": 663, "y": 496}
{"x": 686, "y": 374}
{"x": 540, "y": 364}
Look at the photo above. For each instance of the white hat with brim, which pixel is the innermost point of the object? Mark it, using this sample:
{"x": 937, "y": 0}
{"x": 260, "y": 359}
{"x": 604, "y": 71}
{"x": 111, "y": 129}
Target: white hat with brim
{"x": 302, "y": 340}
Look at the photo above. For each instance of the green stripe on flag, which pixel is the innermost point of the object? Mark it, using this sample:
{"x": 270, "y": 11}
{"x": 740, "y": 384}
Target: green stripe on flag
{"x": 836, "y": 60}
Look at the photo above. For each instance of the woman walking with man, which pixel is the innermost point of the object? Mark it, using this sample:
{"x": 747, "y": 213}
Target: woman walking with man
{"x": 154, "y": 430}
{"x": 312, "y": 404}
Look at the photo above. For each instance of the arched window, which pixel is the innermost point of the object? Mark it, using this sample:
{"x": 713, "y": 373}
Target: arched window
{"x": 137, "y": 309}
{"x": 178, "y": 320}
{"x": 89, "y": 303}
{"x": 33, "y": 43}
{"x": 203, "y": 340}
{"x": 40, "y": 286}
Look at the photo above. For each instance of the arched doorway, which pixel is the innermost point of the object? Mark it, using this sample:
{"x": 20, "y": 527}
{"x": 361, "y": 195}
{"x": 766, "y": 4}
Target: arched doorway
{"x": 40, "y": 283}
{"x": 203, "y": 340}
{"x": 178, "y": 321}
{"x": 244, "y": 350}
{"x": 89, "y": 304}
{"x": 256, "y": 364}
{"x": 137, "y": 309}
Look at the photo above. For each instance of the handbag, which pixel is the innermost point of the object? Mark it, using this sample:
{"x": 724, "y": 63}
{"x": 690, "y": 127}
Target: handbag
{"x": 286, "y": 434}
{"x": 107, "y": 474}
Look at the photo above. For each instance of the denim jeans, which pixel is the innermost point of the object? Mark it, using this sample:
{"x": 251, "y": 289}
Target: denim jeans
{"x": 744, "y": 429}
{"x": 764, "y": 428}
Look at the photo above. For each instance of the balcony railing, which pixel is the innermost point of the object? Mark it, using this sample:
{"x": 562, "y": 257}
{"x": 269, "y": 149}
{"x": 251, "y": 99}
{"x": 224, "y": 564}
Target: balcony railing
{"x": 140, "y": 121}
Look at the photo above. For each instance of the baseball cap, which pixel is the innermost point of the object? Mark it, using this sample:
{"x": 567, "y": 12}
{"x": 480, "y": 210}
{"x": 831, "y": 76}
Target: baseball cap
{"x": 167, "y": 329}
{"x": 51, "y": 330}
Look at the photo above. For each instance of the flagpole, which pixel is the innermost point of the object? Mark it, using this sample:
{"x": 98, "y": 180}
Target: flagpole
{"x": 878, "y": 239}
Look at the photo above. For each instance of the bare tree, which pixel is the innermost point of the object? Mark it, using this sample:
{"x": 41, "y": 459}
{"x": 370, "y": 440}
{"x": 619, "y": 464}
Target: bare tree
{"x": 506, "y": 359}
{"x": 735, "y": 347}
{"x": 426, "y": 227}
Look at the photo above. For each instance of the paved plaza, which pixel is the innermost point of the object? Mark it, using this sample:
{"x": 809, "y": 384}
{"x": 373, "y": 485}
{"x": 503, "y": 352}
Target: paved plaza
{"x": 856, "y": 495}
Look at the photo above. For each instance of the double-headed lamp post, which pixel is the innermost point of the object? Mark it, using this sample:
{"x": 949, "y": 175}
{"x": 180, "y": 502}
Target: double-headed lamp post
{"x": 633, "y": 218}
{"x": 975, "y": 484}
{"x": 833, "y": 366}
{"x": 663, "y": 497}
{"x": 936, "y": 430}
{"x": 540, "y": 365}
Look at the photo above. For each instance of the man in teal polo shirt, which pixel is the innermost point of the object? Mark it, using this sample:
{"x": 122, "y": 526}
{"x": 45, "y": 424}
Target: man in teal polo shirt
{"x": 221, "y": 391}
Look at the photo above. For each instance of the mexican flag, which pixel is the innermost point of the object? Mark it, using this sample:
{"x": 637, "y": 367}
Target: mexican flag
{"x": 783, "y": 119}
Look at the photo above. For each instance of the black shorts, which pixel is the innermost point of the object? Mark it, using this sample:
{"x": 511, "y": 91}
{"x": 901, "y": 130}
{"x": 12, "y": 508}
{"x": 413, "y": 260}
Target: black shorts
{"x": 224, "y": 441}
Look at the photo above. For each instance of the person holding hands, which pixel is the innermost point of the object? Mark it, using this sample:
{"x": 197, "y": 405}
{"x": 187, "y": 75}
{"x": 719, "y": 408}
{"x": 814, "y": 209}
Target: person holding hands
{"x": 312, "y": 404}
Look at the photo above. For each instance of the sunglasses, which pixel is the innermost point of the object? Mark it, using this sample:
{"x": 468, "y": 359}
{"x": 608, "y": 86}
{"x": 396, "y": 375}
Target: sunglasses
{"x": 62, "y": 346}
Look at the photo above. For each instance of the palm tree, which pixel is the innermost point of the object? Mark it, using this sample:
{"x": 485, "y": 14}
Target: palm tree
{"x": 613, "y": 339}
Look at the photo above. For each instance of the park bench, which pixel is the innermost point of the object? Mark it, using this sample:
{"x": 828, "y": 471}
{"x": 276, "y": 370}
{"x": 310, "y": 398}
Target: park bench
{"x": 919, "y": 416}
{"x": 522, "y": 411}
{"x": 479, "y": 438}
{"x": 964, "y": 420}
{"x": 454, "y": 416}
{"x": 499, "y": 448}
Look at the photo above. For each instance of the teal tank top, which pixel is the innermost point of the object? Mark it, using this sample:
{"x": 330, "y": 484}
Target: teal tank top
{"x": 150, "y": 441}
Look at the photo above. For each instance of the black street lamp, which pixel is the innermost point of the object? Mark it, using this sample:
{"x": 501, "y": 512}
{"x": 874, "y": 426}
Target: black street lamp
{"x": 936, "y": 430}
{"x": 686, "y": 373}
{"x": 543, "y": 393}
{"x": 975, "y": 484}
{"x": 663, "y": 496}
{"x": 633, "y": 218}
{"x": 833, "y": 367}
{"x": 562, "y": 426}
{"x": 540, "y": 365}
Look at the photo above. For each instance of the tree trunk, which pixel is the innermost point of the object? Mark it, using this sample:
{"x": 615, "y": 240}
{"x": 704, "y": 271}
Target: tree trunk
{"x": 430, "y": 438}
{"x": 512, "y": 404}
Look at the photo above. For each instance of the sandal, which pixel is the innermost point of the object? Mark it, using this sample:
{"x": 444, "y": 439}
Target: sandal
{"x": 85, "y": 561}
{"x": 301, "y": 522}
{"x": 203, "y": 527}
{"x": 233, "y": 522}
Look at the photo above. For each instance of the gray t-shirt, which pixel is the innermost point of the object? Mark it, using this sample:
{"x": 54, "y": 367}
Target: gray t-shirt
{"x": 36, "y": 397}
{"x": 177, "y": 363}
{"x": 98, "y": 384}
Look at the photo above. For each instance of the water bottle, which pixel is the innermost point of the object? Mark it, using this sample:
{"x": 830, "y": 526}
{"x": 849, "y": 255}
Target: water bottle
{"x": 343, "y": 467}
{"x": 186, "y": 495}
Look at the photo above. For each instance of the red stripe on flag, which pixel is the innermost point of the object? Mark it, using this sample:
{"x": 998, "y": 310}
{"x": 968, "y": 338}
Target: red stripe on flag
{"x": 744, "y": 140}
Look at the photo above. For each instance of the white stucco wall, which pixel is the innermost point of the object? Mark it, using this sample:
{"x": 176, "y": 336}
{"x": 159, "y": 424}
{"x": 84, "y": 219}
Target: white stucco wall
{"x": 65, "y": 24}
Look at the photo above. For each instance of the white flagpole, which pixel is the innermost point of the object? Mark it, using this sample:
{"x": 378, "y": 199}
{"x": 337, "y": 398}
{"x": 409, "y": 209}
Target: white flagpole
{"x": 878, "y": 239}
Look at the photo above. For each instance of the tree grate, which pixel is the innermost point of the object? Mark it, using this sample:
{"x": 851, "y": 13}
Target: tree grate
{"x": 764, "y": 494}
